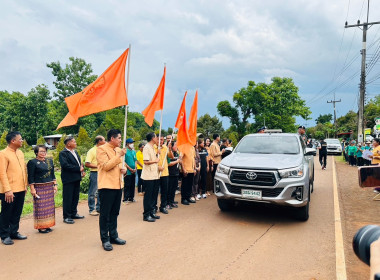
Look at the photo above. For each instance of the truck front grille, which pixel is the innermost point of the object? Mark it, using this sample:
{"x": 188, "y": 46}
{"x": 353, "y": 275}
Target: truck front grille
{"x": 262, "y": 179}
{"x": 265, "y": 192}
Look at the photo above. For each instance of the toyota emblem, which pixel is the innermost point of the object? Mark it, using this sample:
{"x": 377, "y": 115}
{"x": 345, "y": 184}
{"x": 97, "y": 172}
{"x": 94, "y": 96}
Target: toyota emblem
{"x": 251, "y": 176}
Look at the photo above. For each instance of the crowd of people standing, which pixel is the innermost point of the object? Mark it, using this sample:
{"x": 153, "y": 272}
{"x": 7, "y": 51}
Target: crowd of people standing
{"x": 161, "y": 168}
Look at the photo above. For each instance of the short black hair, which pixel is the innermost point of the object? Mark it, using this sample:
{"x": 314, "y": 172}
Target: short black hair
{"x": 215, "y": 135}
{"x": 141, "y": 144}
{"x": 150, "y": 136}
{"x": 377, "y": 140}
{"x": 98, "y": 139}
{"x": 224, "y": 140}
{"x": 37, "y": 148}
{"x": 11, "y": 135}
{"x": 68, "y": 139}
{"x": 229, "y": 141}
{"x": 112, "y": 133}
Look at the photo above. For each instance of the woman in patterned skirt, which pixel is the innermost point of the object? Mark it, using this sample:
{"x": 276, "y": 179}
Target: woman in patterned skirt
{"x": 43, "y": 186}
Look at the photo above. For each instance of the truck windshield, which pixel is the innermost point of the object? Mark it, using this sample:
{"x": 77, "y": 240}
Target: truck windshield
{"x": 271, "y": 144}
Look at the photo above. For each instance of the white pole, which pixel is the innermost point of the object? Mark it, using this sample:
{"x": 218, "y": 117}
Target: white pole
{"x": 126, "y": 106}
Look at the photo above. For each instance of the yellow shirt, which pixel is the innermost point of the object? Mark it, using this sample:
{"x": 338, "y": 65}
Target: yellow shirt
{"x": 150, "y": 171}
{"x": 188, "y": 160}
{"x": 91, "y": 157}
{"x": 376, "y": 153}
{"x": 140, "y": 158}
{"x": 109, "y": 164}
{"x": 215, "y": 153}
{"x": 13, "y": 174}
{"x": 163, "y": 160}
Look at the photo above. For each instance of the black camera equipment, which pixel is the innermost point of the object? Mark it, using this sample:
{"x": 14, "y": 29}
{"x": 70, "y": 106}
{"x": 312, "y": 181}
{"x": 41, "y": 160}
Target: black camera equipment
{"x": 362, "y": 242}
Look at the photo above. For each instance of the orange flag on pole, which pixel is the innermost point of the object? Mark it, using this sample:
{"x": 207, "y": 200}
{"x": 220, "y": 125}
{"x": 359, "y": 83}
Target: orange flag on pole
{"x": 193, "y": 120}
{"x": 105, "y": 93}
{"x": 183, "y": 138}
{"x": 157, "y": 102}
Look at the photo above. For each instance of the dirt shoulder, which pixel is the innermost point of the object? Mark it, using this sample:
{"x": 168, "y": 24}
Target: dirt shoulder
{"x": 357, "y": 210}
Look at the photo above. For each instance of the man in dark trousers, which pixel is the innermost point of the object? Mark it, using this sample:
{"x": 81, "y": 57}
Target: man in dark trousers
{"x": 13, "y": 183}
{"x": 322, "y": 146}
{"x": 72, "y": 171}
{"x": 110, "y": 171}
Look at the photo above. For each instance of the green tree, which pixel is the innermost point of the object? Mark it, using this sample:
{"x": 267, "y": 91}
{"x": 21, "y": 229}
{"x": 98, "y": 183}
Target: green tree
{"x": 83, "y": 141}
{"x": 101, "y": 130}
{"x": 208, "y": 125}
{"x": 58, "y": 149}
{"x": 25, "y": 146}
{"x": 71, "y": 79}
{"x": 36, "y": 113}
{"x": 275, "y": 104}
{"x": 3, "y": 141}
{"x": 327, "y": 118}
{"x": 348, "y": 122}
{"x": 41, "y": 141}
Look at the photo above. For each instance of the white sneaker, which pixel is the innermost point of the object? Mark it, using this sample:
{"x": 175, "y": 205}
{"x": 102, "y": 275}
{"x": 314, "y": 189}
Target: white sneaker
{"x": 199, "y": 196}
{"x": 204, "y": 196}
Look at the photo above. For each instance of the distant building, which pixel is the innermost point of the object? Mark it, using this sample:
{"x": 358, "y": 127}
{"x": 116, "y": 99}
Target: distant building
{"x": 53, "y": 139}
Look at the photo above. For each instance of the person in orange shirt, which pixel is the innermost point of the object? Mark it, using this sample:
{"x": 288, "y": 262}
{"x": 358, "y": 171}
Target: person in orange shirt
{"x": 110, "y": 171}
{"x": 215, "y": 153}
{"x": 188, "y": 170}
{"x": 13, "y": 183}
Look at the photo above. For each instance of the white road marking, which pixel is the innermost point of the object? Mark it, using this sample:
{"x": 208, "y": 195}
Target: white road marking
{"x": 339, "y": 248}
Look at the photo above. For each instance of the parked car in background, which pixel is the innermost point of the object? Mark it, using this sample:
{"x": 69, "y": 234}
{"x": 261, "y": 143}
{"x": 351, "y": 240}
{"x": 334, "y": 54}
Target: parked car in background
{"x": 48, "y": 146}
{"x": 333, "y": 146}
{"x": 267, "y": 168}
{"x": 369, "y": 138}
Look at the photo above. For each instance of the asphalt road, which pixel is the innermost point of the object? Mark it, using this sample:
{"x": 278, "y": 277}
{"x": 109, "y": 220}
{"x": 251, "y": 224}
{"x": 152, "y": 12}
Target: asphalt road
{"x": 192, "y": 242}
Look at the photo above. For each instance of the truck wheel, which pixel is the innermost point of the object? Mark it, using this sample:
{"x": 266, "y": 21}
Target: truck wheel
{"x": 302, "y": 213}
{"x": 225, "y": 205}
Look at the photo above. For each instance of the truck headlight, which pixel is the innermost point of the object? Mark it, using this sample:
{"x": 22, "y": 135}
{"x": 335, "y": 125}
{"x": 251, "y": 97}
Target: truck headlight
{"x": 292, "y": 172}
{"x": 223, "y": 169}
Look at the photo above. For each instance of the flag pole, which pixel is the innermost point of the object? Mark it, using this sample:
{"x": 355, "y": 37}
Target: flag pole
{"x": 159, "y": 133}
{"x": 126, "y": 106}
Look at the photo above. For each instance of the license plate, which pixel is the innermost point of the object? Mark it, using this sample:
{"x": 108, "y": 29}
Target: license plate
{"x": 252, "y": 194}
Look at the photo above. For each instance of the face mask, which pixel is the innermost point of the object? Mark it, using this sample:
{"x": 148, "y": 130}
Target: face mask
{"x": 131, "y": 146}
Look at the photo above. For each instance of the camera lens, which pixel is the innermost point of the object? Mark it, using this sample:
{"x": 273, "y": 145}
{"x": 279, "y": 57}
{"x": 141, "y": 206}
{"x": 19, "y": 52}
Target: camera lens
{"x": 363, "y": 240}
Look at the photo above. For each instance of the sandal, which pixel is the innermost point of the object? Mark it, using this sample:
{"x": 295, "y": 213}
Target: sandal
{"x": 43, "y": 230}
{"x": 49, "y": 230}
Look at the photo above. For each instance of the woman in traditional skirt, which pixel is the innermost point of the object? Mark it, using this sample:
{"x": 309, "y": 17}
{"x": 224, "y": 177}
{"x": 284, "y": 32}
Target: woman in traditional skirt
{"x": 210, "y": 183}
{"x": 43, "y": 186}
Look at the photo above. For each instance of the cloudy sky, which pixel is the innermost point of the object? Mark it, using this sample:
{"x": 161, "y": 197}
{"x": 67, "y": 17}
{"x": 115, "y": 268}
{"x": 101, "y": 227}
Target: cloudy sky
{"x": 213, "y": 46}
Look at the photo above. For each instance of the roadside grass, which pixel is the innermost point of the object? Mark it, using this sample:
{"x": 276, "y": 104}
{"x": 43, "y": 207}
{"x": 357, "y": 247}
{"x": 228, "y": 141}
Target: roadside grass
{"x": 28, "y": 204}
{"x": 339, "y": 159}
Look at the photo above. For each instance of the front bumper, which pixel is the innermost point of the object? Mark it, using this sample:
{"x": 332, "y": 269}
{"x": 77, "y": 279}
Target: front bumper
{"x": 280, "y": 194}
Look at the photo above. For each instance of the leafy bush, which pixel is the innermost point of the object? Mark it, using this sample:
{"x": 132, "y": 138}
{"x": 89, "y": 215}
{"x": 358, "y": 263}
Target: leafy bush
{"x": 85, "y": 183}
{"x": 59, "y": 148}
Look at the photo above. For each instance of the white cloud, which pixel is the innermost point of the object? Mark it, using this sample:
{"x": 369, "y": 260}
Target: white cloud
{"x": 215, "y": 45}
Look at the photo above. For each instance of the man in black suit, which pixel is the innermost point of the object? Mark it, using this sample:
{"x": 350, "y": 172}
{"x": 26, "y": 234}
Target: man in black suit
{"x": 72, "y": 171}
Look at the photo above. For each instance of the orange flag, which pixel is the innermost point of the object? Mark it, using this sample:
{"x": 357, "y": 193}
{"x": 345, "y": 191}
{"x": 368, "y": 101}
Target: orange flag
{"x": 183, "y": 139}
{"x": 105, "y": 93}
{"x": 157, "y": 102}
{"x": 193, "y": 120}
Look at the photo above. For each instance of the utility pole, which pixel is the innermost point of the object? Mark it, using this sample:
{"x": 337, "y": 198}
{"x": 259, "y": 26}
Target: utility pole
{"x": 333, "y": 102}
{"x": 366, "y": 26}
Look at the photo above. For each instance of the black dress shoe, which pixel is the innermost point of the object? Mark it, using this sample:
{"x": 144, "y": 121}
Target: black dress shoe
{"x": 107, "y": 246}
{"x": 164, "y": 211}
{"x": 173, "y": 205}
{"x": 154, "y": 216}
{"x": 192, "y": 201}
{"x": 185, "y": 202}
{"x": 148, "y": 219}
{"x": 78, "y": 217}
{"x": 7, "y": 241}
{"x": 68, "y": 221}
{"x": 19, "y": 236}
{"x": 118, "y": 241}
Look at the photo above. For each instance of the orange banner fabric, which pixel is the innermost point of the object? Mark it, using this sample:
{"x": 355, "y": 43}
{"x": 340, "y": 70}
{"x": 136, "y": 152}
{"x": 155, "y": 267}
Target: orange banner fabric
{"x": 105, "y": 93}
{"x": 193, "y": 119}
{"x": 157, "y": 102}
